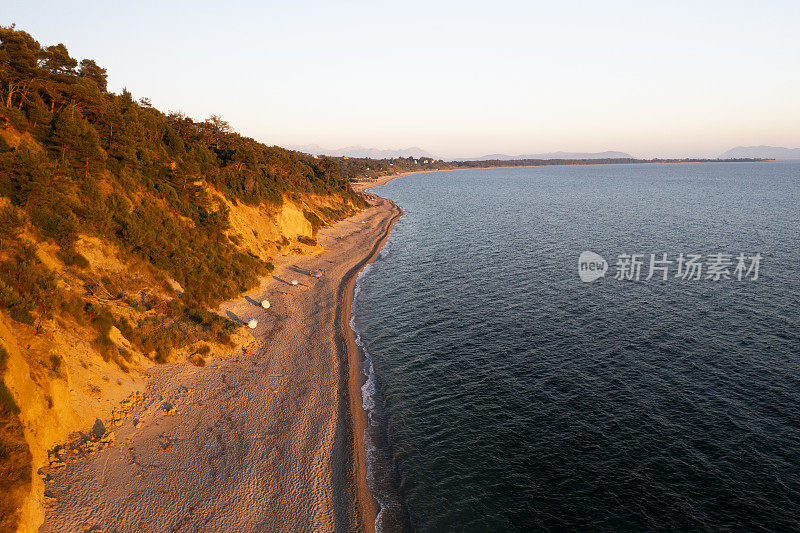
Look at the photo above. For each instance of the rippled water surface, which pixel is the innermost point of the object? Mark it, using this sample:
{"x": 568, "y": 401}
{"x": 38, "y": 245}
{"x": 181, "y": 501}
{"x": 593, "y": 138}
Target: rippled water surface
{"x": 510, "y": 396}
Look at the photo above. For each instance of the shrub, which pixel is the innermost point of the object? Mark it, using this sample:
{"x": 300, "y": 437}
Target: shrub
{"x": 162, "y": 354}
{"x": 55, "y": 363}
{"x": 110, "y": 286}
{"x": 100, "y": 318}
{"x": 105, "y": 346}
{"x": 11, "y": 224}
{"x": 7, "y": 404}
{"x": 4, "y": 147}
{"x": 75, "y": 308}
{"x": 76, "y": 259}
{"x": 316, "y": 222}
{"x": 22, "y": 316}
{"x": 73, "y": 258}
{"x": 27, "y": 285}
{"x": 55, "y": 224}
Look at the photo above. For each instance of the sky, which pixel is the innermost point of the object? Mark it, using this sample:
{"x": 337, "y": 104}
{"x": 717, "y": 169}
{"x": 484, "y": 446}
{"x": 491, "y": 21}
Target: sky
{"x": 460, "y": 78}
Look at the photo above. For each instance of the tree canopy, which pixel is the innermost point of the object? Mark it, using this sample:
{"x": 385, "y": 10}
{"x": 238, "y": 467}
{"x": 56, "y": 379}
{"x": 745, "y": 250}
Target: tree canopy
{"x": 75, "y": 157}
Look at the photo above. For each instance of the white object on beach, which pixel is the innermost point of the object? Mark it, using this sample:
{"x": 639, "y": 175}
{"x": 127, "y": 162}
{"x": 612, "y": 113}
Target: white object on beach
{"x": 265, "y": 304}
{"x": 252, "y": 324}
{"x": 294, "y": 282}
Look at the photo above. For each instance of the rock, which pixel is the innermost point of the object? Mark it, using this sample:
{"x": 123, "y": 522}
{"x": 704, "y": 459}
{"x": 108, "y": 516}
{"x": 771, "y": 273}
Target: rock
{"x": 169, "y": 408}
{"x": 108, "y": 438}
{"x": 98, "y": 430}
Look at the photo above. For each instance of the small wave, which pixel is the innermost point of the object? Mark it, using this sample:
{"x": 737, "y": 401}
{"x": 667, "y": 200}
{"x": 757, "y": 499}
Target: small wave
{"x": 386, "y": 247}
{"x": 357, "y": 287}
{"x": 368, "y": 399}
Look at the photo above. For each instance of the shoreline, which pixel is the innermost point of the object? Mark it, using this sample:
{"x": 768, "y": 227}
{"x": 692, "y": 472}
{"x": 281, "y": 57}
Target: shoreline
{"x": 365, "y": 501}
{"x": 383, "y": 180}
{"x": 270, "y": 438}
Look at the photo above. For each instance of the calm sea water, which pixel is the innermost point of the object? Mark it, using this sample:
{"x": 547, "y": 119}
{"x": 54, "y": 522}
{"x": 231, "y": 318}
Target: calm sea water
{"x": 507, "y": 395}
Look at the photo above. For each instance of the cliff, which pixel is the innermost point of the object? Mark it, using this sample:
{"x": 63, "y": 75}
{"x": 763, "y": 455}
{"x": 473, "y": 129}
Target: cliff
{"x": 121, "y": 230}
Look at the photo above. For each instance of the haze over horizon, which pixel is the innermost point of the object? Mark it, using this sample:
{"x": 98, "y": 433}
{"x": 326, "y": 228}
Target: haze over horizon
{"x": 457, "y": 79}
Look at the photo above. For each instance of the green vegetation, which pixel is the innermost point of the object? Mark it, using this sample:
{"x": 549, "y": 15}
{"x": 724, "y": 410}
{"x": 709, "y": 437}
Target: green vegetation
{"x": 7, "y": 404}
{"x": 372, "y": 168}
{"x": 15, "y": 457}
{"x": 76, "y": 158}
{"x": 357, "y": 169}
{"x": 316, "y": 222}
{"x": 176, "y": 326}
{"x": 26, "y": 284}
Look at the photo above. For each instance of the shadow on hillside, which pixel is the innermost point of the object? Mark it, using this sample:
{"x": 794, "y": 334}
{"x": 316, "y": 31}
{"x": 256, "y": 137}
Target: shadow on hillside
{"x": 233, "y": 317}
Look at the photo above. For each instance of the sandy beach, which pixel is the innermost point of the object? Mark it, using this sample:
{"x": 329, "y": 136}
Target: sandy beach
{"x": 267, "y": 439}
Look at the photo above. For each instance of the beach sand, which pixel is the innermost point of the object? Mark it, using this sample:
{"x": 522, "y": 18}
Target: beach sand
{"x": 269, "y": 439}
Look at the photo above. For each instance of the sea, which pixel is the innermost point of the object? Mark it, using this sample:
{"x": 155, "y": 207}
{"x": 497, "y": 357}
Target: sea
{"x": 505, "y": 393}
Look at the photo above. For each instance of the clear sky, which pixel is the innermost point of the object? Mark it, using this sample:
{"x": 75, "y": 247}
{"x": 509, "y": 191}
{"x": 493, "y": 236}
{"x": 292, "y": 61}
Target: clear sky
{"x": 456, "y": 78}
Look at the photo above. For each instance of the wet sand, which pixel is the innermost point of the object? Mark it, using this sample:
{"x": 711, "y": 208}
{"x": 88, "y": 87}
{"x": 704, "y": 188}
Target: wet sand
{"x": 270, "y": 439}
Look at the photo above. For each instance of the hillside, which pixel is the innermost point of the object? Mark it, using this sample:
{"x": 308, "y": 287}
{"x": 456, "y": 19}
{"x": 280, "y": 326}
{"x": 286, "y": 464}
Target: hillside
{"x": 122, "y": 228}
{"x": 765, "y": 152}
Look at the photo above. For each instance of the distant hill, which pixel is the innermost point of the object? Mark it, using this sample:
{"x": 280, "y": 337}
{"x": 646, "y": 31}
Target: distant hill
{"x": 374, "y": 153}
{"x": 763, "y": 152}
{"x": 362, "y": 151}
{"x": 556, "y": 155}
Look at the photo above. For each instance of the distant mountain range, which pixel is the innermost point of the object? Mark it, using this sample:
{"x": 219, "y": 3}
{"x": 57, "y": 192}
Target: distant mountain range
{"x": 414, "y": 151}
{"x": 740, "y": 152}
{"x": 553, "y": 155}
{"x": 362, "y": 151}
{"x": 762, "y": 152}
